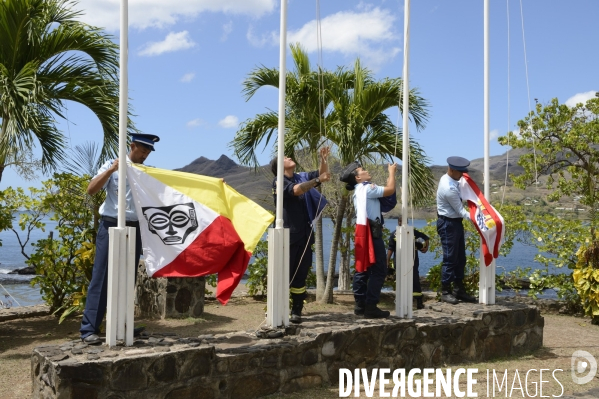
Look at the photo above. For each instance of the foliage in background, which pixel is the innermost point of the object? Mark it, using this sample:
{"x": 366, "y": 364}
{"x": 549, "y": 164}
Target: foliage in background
{"x": 13, "y": 201}
{"x": 48, "y": 57}
{"x": 257, "y": 270}
{"x": 562, "y": 143}
{"x": 586, "y": 279}
{"x": 63, "y": 265}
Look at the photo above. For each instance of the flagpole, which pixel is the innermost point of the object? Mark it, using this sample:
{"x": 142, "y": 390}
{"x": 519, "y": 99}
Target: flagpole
{"x": 277, "y": 308}
{"x": 119, "y": 317}
{"x": 405, "y": 234}
{"x": 487, "y": 273}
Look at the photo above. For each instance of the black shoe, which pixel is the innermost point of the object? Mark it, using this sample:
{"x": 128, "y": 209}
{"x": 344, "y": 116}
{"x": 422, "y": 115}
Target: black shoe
{"x": 359, "y": 308}
{"x": 419, "y": 302}
{"x": 459, "y": 291}
{"x": 446, "y": 296}
{"x": 373, "y": 312}
{"x": 463, "y": 296}
{"x": 296, "y": 317}
{"x": 93, "y": 339}
{"x": 138, "y": 330}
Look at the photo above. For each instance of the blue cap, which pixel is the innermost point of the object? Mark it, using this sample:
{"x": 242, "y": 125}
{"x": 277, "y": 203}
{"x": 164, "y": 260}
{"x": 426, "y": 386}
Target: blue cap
{"x": 458, "y": 163}
{"x": 146, "y": 139}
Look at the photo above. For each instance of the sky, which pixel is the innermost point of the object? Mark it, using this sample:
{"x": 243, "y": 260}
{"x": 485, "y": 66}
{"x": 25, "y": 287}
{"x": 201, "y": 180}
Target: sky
{"x": 188, "y": 59}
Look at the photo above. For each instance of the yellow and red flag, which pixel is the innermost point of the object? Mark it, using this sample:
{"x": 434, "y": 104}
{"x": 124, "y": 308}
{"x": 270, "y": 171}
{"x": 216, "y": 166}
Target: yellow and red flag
{"x": 193, "y": 225}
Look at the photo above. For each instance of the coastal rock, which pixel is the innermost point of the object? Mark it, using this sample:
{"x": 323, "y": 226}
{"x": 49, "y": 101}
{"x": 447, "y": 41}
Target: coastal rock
{"x": 29, "y": 270}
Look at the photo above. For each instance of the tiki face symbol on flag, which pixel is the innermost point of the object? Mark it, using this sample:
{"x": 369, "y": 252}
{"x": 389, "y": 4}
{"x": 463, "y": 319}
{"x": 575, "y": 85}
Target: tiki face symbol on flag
{"x": 171, "y": 223}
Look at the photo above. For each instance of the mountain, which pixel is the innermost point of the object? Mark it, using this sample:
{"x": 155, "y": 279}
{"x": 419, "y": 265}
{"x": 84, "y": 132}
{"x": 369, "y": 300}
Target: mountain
{"x": 256, "y": 183}
{"x": 253, "y": 183}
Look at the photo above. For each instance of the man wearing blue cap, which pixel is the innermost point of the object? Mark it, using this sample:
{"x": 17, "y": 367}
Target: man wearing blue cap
{"x": 450, "y": 212}
{"x": 108, "y": 178}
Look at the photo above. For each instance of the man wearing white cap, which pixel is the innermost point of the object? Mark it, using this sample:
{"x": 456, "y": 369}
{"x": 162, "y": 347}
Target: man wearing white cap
{"x": 108, "y": 178}
{"x": 450, "y": 212}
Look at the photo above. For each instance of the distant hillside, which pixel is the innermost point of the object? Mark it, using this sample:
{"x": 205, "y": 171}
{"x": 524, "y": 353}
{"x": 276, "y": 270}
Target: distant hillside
{"x": 256, "y": 183}
{"x": 253, "y": 183}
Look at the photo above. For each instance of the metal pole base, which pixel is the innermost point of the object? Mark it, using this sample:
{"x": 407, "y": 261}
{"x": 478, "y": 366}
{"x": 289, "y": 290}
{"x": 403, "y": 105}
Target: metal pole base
{"x": 121, "y": 285}
{"x": 277, "y": 297}
{"x": 404, "y": 288}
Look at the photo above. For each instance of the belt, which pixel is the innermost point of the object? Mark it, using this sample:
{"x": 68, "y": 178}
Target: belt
{"x": 130, "y": 223}
{"x": 446, "y": 218}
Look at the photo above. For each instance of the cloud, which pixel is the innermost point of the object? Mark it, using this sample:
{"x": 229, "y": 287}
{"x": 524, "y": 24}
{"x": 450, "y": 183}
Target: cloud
{"x": 229, "y": 121}
{"x": 270, "y": 38}
{"x": 188, "y": 77}
{"x": 493, "y": 134}
{"x": 172, "y": 42}
{"x": 195, "y": 123}
{"x": 159, "y": 14}
{"x": 580, "y": 98}
{"x": 227, "y": 29}
{"x": 368, "y": 33}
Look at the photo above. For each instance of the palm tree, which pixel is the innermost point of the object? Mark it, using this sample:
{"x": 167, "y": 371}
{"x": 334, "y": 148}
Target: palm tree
{"x": 305, "y": 112}
{"x": 85, "y": 161}
{"x": 362, "y": 131}
{"x": 347, "y": 109}
{"x": 47, "y": 57}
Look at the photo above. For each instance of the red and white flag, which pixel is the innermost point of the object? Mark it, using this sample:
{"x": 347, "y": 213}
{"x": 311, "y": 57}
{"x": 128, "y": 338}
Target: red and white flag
{"x": 193, "y": 225}
{"x": 364, "y": 249}
{"x": 486, "y": 219}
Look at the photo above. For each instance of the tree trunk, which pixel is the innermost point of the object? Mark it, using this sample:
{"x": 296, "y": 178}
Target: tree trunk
{"x": 1, "y": 171}
{"x": 328, "y": 291}
{"x": 344, "y": 274}
{"x": 318, "y": 249}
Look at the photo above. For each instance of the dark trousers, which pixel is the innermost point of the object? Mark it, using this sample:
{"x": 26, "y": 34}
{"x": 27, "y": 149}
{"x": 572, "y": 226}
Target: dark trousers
{"x": 367, "y": 285}
{"x": 451, "y": 232}
{"x": 416, "y": 274}
{"x": 97, "y": 293}
{"x": 300, "y": 262}
{"x": 416, "y": 287}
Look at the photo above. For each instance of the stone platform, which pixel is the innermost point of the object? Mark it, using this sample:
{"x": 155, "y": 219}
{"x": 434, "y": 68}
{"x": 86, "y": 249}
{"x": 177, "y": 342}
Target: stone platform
{"x": 241, "y": 365}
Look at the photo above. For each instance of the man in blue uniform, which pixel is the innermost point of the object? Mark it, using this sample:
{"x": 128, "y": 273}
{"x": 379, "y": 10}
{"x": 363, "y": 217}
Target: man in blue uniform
{"x": 299, "y": 200}
{"x": 421, "y": 245}
{"x": 367, "y": 284}
{"x": 108, "y": 178}
{"x": 450, "y": 212}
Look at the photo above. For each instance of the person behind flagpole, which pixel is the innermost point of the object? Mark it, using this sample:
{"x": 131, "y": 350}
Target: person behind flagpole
{"x": 367, "y": 284}
{"x": 297, "y": 193}
{"x": 108, "y": 178}
{"x": 420, "y": 245}
{"x": 450, "y": 212}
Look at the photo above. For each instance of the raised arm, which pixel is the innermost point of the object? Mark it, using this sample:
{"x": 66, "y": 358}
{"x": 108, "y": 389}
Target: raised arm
{"x": 390, "y": 186}
{"x": 100, "y": 180}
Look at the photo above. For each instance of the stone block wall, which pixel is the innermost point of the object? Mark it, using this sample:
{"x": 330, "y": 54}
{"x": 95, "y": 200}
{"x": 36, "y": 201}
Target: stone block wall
{"x": 240, "y": 365}
{"x": 168, "y": 297}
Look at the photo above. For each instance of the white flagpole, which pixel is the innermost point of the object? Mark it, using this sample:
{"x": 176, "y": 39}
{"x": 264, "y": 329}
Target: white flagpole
{"x": 119, "y": 318}
{"x": 487, "y": 273}
{"x": 278, "y": 238}
{"x": 404, "y": 251}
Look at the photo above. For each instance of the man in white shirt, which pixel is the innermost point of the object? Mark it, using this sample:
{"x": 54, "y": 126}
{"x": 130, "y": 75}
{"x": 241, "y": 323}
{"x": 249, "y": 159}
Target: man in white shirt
{"x": 450, "y": 212}
{"x": 108, "y": 178}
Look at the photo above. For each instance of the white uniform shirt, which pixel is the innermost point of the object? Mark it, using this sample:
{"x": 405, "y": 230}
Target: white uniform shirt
{"x": 449, "y": 200}
{"x": 373, "y": 205}
{"x": 110, "y": 206}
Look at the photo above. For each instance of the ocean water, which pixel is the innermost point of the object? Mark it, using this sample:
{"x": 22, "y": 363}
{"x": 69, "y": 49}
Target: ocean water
{"x": 16, "y": 290}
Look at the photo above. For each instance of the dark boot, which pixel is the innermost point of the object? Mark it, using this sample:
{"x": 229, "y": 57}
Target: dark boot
{"x": 296, "y": 311}
{"x": 371, "y": 311}
{"x": 446, "y": 295}
{"x": 419, "y": 302}
{"x": 359, "y": 308}
{"x": 459, "y": 291}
